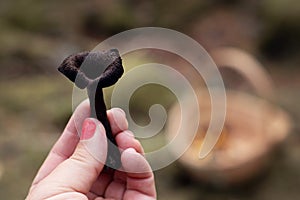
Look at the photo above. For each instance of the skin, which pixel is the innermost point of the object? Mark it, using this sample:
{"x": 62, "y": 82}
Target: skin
{"x": 71, "y": 172}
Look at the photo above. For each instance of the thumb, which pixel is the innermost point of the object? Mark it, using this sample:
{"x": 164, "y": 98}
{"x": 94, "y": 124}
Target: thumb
{"x": 80, "y": 171}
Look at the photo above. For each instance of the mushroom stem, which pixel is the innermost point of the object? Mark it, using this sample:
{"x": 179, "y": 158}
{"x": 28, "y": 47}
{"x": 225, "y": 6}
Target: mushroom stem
{"x": 98, "y": 110}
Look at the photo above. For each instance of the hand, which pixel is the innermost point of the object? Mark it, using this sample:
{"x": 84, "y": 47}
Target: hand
{"x": 74, "y": 166}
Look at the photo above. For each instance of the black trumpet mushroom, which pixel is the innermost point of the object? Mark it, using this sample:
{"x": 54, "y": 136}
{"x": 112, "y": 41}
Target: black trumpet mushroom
{"x": 95, "y": 71}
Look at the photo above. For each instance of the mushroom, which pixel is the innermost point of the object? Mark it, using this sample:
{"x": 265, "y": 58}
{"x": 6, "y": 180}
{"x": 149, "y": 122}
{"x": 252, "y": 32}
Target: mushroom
{"x": 94, "y": 71}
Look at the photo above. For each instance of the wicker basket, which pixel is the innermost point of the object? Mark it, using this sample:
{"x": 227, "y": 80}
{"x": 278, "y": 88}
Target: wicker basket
{"x": 253, "y": 127}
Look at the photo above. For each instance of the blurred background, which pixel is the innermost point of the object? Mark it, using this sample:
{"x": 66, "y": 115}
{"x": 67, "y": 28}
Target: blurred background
{"x": 36, "y": 101}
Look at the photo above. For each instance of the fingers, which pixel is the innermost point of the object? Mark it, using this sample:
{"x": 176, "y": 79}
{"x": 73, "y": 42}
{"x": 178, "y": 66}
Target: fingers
{"x": 80, "y": 171}
{"x": 66, "y": 144}
{"x": 135, "y": 182}
{"x": 119, "y": 125}
{"x": 117, "y": 120}
{"x": 140, "y": 179}
{"x": 126, "y": 140}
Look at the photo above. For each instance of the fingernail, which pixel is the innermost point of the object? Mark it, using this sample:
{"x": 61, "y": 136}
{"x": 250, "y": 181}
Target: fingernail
{"x": 88, "y": 129}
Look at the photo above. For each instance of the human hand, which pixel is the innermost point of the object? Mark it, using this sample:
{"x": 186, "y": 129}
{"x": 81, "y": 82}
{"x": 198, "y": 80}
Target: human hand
{"x": 74, "y": 166}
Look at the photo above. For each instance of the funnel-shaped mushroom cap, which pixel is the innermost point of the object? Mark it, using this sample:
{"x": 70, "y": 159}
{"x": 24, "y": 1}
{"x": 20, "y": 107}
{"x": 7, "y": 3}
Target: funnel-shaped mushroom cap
{"x": 101, "y": 67}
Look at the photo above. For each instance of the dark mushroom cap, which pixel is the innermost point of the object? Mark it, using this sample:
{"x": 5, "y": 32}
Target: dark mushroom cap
{"x": 103, "y": 67}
